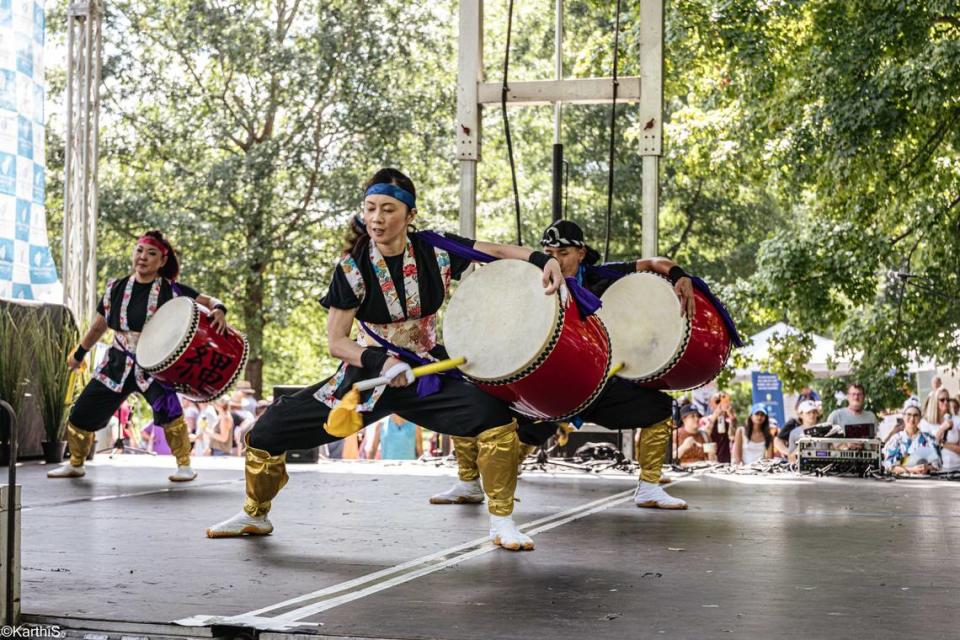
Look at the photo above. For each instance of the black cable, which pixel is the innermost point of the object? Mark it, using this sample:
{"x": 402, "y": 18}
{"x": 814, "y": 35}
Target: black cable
{"x": 506, "y": 122}
{"x": 613, "y": 129}
{"x": 566, "y": 187}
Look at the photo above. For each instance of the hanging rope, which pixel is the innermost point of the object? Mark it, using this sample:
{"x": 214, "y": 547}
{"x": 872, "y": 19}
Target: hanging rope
{"x": 613, "y": 130}
{"x": 506, "y": 122}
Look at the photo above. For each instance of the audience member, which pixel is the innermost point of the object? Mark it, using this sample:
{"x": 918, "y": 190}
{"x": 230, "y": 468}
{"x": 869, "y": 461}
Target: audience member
{"x": 753, "y": 442}
{"x": 721, "y": 424}
{"x": 692, "y": 443}
{"x": 911, "y": 451}
{"x": 857, "y": 422}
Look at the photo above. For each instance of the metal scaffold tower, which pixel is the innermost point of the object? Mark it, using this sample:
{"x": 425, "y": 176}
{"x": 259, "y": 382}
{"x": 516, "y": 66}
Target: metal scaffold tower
{"x": 81, "y": 201}
{"x": 647, "y": 90}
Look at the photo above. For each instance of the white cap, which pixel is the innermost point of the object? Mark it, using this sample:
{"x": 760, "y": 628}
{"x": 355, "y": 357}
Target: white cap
{"x": 808, "y": 405}
{"x": 912, "y": 402}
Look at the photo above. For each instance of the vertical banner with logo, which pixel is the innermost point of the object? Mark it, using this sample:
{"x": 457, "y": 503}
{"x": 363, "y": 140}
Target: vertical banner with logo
{"x": 768, "y": 390}
{"x": 27, "y": 271}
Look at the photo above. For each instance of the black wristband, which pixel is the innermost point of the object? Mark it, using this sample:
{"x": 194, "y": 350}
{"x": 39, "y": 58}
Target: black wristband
{"x": 221, "y": 307}
{"x": 676, "y": 272}
{"x": 540, "y": 259}
{"x": 80, "y": 353}
{"x": 373, "y": 359}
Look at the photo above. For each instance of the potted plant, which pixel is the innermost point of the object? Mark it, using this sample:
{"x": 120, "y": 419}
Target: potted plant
{"x": 12, "y": 369}
{"x": 55, "y": 381}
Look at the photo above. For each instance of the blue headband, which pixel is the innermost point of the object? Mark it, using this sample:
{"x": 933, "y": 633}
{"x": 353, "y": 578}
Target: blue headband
{"x": 393, "y": 191}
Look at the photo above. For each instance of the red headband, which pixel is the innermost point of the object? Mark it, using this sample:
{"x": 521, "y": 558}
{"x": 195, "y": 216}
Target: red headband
{"x": 153, "y": 242}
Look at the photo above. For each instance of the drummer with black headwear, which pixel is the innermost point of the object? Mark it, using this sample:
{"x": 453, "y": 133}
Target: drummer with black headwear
{"x": 392, "y": 282}
{"x": 622, "y": 404}
{"x": 126, "y": 306}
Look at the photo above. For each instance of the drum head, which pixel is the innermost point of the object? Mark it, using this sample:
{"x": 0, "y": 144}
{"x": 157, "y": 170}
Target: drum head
{"x": 500, "y": 320}
{"x": 165, "y": 332}
{"x": 642, "y": 315}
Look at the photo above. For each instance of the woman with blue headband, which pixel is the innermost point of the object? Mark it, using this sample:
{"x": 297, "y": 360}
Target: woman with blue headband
{"x": 622, "y": 404}
{"x": 392, "y": 282}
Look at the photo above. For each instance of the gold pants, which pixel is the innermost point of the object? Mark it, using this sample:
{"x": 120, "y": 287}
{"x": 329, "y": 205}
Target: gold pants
{"x": 80, "y": 442}
{"x": 467, "y": 451}
{"x": 652, "y": 450}
{"x": 498, "y": 451}
{"x": 179, "y": 440}
{"x": 265, "y": 475}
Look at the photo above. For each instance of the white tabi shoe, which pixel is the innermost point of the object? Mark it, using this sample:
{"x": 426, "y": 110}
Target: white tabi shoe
{"x": 241, "y": 525}
{"x": 183, "y": 474}
{"x": 67, "y": 470}
{"x": 653, "y": 496}
{"x": 504, "y": 533}
{"x": 469, "y": 492}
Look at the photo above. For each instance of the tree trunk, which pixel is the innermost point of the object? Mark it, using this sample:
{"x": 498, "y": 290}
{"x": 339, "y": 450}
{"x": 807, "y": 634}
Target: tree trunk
{"x": 254, "y": 321}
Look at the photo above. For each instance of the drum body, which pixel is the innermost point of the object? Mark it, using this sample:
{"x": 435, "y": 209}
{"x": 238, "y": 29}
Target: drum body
{"x": 659, "y": 347}
{"x": 531, "y": 350}
{"x": 180, "y": 347}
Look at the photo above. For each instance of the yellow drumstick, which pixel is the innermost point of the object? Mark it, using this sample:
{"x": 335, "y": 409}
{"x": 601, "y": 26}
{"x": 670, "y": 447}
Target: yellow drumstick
{"x": 615, "y": 369}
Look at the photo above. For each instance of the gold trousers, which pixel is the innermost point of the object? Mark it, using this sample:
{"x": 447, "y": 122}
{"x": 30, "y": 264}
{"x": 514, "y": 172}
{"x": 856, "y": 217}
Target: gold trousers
{"x": 80, "y": 442}
{"x": 653, "y": 449}
{"x": 467, "y": 452}
{"x": 265, "y": 475}
{"x": 178, "y": 438}
{"x": 498, "y": 453}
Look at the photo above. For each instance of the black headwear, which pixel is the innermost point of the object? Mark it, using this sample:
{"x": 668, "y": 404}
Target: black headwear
{"x": 566, "y": 233}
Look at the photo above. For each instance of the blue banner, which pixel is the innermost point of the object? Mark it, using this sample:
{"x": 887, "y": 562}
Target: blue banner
{"x": 768, "y": 391}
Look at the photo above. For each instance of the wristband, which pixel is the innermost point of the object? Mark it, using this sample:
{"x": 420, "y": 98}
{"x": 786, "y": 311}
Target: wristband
{"x": 539, "y": 259}
{"x": 676, "y": 272}
{"x": 80, "y": 353}
{"x": 373, "y": 359}
{"x": 221, "y": 307}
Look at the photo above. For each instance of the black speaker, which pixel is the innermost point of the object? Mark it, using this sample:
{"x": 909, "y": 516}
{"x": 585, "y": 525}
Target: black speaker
{"x": 296, "y": 456}
{"x": 576, "y": 439}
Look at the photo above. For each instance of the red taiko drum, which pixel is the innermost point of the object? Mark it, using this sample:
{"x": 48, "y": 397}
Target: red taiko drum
{"x": 180, "y": 347}
{"x": 531, "y": 350}
{"x": 659, "y": 347}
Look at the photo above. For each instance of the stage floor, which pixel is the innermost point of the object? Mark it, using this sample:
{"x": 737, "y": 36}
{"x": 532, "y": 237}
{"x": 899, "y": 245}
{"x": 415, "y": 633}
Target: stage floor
{"x": 359, "y": 552}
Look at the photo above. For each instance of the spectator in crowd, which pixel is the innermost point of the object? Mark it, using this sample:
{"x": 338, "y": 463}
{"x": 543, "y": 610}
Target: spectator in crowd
{"x": 808, "y": 415}
{"x": 939, "y": 413}
{"x": 207, "y": 421}
{"x": 858, "y": 422}
{"x": 247, "y": 396}
{"x": 721, "y": 424}
{"x": 753, "y": 441}
{"x": 220, "y": 437}
{"x": 929, "y": 408}
{"x": 243, "y": 418}
{"x": 190, "y": 414}
{"x": 397, "y": 439}
{"x": 948, "y": 438}
{"x": 692, "y": 443}
{"x": 911, "y": 451}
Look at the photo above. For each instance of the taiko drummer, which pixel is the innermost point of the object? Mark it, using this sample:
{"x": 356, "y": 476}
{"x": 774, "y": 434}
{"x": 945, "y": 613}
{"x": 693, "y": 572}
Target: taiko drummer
{"x": 126, "y": 306}
{"x": 622, "y": 404}
{"x": 392, "y": 282}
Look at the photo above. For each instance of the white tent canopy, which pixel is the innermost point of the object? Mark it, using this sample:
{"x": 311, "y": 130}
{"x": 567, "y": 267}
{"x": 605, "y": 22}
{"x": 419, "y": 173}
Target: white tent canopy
{"x": 823, "y": 349}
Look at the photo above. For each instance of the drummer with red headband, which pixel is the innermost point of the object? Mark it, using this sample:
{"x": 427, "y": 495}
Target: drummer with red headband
{"x": 392, "y": 281}
{"x": 622, "y": 404}
{"x": 126, "y": 306}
